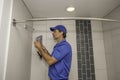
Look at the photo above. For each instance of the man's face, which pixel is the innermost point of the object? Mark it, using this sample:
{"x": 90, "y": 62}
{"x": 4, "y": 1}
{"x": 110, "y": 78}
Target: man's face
{"x": 56, "y": 34}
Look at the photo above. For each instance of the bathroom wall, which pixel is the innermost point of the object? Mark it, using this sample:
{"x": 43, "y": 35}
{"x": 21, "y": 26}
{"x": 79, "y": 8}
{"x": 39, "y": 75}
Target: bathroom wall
{"x": 39, "y": 68}
{"x": 1, "y": 9}
{"x": 85, "y": 54}
{"x": 5, "y": 21}
{"x": 19, "y": 55}
{"x": 112, "y": 45}
{"x": 99, "y": 51}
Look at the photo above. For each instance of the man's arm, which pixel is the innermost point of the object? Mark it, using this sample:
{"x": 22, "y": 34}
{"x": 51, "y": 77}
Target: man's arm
{"x": 48, "y": 58}
{"x": 45, "y": 50}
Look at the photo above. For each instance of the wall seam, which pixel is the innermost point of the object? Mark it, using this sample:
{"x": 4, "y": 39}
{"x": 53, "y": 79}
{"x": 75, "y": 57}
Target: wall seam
{"x": 112, "y": 11}
{"x": 27, "y": 8}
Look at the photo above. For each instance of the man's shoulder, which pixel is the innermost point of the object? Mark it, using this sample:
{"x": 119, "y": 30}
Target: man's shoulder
{"x": 64, "y": 44}
{"x": 67, "y": 43}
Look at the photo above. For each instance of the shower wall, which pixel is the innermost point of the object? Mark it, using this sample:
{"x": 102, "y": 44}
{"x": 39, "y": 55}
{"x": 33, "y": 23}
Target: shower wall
{"x": 26, "y": 65}
{"x": 85, "y": 55}
{"x": 1, "y": 9}
{"x": 5, "y": 20}
{"x": 112, "y": 45}
{"x": 39, "y": 68}
{"x": 99, "y": 51}
{"x": 19, "y": 55}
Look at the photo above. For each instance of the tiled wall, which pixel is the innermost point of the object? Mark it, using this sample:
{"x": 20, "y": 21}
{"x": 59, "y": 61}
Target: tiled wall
{"x": 99, "y": 51}
{"x": 39, "y": 68}
{"x": 85, "y": 66}
{"x": 85, "y": 50}
{"x": 112, "y": 45}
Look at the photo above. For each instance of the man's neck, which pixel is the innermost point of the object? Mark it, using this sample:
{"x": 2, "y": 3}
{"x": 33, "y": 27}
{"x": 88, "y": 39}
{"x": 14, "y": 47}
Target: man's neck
{"x": 59, "y": 40}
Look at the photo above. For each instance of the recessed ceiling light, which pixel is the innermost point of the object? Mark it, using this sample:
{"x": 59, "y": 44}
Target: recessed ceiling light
{"x": 70, "y": 9}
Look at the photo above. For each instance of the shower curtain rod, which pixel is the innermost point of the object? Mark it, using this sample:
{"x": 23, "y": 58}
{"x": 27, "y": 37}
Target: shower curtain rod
{"x": 64, "y": 18}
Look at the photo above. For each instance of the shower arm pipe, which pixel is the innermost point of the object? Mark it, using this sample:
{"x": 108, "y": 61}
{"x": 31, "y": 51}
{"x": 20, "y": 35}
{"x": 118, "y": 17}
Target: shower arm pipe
{"x": 64, "y": 18}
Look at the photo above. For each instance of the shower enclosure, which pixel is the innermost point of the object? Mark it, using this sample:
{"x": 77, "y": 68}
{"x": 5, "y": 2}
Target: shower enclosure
{"x": 95, "y": 45}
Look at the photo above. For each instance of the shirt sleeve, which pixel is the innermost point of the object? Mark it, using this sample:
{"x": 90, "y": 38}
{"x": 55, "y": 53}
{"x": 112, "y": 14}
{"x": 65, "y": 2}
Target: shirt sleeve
{"x": 61, "y": 51}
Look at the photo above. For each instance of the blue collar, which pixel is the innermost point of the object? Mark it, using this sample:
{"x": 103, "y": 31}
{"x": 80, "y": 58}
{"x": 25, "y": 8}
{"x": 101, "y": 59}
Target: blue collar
{"x": 60, "y": 43}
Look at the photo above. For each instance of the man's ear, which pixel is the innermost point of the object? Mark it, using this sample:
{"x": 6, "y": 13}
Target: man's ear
{"x": 61, "y": 32}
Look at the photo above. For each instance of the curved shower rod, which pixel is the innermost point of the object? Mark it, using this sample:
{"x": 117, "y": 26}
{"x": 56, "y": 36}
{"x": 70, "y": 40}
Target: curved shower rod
{"x": 64, "y": 18}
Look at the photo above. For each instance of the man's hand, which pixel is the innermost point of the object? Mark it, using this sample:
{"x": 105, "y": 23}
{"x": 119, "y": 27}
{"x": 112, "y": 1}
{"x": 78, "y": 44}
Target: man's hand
{"x": 38, "y": 45}
{"x": 45, "y": 54}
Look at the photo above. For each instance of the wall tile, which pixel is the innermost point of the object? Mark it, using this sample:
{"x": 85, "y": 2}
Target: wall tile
{"x": 85, "y": 56}
{"x": 39, "y": 68}
{"x": 99, "y": 51}
{"x": 101, "y": 74}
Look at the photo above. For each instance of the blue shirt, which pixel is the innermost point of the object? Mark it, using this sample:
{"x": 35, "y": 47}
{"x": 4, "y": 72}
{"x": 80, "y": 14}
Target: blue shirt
{"x": 63, "y": 54}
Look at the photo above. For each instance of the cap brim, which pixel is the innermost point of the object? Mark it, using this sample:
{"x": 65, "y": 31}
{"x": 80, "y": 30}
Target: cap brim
{"x": 52, "y": 28}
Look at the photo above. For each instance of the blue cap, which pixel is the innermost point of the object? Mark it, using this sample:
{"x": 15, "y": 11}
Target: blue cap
{"x": 59, "y": 27}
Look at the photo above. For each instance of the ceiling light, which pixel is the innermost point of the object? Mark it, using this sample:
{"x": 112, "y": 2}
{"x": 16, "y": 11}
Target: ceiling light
{"x": 70, "y": 9}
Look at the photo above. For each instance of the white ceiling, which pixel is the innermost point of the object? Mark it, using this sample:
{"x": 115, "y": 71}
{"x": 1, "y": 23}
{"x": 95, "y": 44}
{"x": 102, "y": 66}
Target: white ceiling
{"x": 84, "y": 8}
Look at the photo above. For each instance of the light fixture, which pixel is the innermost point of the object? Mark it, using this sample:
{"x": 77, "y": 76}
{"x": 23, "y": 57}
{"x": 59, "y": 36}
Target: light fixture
{"x": 70, "y": 9}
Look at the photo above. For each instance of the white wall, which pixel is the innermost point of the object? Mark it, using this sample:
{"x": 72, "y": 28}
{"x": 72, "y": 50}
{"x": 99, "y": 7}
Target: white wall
{"x": 112, "y": 45}
{"x": 19, "y": 55}
{"x": 1, "y": 9}
{"x": 99, "y": 51}
{"x": 39, "y": 68}
{"x": 5, "y": 21}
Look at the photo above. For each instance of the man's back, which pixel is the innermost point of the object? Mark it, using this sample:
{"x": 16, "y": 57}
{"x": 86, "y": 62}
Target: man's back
{"x": 63, "y": 54}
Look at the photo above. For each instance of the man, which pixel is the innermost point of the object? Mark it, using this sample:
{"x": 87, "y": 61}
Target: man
{"x": 60, "y": 60}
